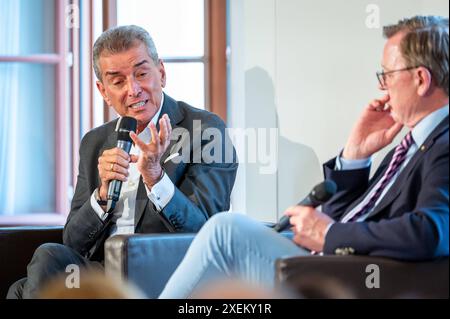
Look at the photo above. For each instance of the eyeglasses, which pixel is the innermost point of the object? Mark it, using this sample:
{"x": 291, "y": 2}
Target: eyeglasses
{"x": 381, "y": 76}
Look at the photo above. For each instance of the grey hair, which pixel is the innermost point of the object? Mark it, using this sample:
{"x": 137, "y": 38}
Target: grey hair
{"x": 120, "y": 39}
{"x": 426, "y": 43}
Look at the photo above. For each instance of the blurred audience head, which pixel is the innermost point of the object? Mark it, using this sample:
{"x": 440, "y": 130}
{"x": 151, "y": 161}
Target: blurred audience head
{"x": 92, "y": 285}
{"x": 238, "y": 289}
{"x": 316, "y": 286}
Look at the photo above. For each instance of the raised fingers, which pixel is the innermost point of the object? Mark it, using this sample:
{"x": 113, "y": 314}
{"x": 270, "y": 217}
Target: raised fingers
{"x": 154, "y": 132}
{"x": 165, "y": 129}
{"x": 137, "y": 141}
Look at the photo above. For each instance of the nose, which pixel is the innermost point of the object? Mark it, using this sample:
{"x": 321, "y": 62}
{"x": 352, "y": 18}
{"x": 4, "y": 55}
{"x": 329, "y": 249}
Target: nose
{"x": 134, "y": 89}
{"x": 382, "y": 87}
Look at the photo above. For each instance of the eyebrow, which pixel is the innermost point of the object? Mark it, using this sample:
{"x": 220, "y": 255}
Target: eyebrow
{"x": 140, "y": 63}
{"x": 113, "y": 73}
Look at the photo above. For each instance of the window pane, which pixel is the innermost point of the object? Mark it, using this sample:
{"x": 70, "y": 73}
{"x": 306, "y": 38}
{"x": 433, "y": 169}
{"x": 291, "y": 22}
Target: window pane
{"x": 27, "y": 27}
{"x": 27, "y": 147}
{"x": 186, "y": 82}
{"x": 177, "y": 26}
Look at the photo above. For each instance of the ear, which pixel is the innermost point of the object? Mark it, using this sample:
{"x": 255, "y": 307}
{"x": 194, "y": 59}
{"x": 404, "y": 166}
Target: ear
{"x": 424, "y": 80}
{"x": 162, "y": 72}
{"x": 102, "y": 90}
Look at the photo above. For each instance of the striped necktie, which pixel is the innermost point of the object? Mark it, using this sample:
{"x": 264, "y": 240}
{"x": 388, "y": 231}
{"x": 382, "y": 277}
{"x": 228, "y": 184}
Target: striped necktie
{"x": 399, "y": 157}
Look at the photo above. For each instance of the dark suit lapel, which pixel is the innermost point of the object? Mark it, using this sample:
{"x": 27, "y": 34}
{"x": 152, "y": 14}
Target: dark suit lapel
{"x": 141, "y": 202}
{"x": 111, "y": 142}
{"x": 396, "y": 188}
{"x": 170, "y": 107}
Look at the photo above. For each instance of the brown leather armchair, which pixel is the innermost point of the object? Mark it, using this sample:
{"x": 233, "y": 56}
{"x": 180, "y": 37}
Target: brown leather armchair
{"x": 17, "y": 245}
{"x": 356, "y": 277}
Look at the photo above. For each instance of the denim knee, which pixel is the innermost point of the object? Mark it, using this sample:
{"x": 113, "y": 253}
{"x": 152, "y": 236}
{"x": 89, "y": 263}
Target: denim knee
{"x": 226, "y": 220}
{"x": 229, "y": 225}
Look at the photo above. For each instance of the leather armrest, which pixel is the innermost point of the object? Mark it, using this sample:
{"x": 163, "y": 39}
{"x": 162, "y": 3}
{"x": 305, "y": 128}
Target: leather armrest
{"x": 146, "y": 260}
{"x": 17, "y": 246}
{"x": 357, "y": 274}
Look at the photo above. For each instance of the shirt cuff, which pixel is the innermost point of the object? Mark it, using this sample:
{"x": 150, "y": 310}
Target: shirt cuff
{"x": 343, "y": 164}
{"x": 96, "y": 207}
{"x": 161, "y": 193}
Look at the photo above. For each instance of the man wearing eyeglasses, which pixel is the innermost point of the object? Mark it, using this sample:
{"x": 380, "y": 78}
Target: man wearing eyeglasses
{"x": 402, "y": 212}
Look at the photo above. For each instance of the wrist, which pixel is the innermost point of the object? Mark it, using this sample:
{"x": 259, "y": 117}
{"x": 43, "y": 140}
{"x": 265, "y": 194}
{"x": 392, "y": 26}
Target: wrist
{"x": 351, "y": 153}
{"x": 154, "y": 178}
{"x": 101, "y": 200}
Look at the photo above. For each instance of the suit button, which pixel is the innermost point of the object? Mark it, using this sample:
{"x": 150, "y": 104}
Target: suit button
{"x": 344, "y": 251}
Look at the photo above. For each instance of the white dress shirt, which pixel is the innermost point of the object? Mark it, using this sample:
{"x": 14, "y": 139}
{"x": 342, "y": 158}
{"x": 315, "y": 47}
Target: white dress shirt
{"x": 160, "y": 194}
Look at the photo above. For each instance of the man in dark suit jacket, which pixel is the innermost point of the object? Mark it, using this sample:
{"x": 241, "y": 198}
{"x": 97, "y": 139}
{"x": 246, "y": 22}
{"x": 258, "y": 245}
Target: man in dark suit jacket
{"x": 402, "y": 212}
{"x": 174, "y": 179}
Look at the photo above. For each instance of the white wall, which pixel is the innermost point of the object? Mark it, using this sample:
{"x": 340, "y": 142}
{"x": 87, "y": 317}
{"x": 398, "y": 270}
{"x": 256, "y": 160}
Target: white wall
{"x": 307, "y": 67}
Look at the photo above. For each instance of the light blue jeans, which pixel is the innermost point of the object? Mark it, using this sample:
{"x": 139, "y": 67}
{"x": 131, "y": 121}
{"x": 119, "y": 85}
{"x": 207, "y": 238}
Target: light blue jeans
{"x": 230, "y": 245}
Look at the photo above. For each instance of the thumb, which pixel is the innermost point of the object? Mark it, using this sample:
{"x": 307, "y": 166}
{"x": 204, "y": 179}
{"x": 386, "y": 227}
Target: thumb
{"x": 133, "y": 158}
{"x": 393, "y": 131}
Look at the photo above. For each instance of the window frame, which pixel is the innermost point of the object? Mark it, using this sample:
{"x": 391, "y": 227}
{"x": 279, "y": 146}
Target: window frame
{"x": 72, "y": 94}
{"x": 59, "y": 60}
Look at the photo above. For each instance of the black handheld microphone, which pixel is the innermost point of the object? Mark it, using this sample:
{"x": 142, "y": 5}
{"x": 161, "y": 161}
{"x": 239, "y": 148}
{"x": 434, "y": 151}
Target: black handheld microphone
{"x": 320, "y": 194}
{"x": 124, "y": 142}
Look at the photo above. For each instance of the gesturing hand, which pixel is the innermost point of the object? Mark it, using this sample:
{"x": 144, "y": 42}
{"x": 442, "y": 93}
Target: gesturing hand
{"x": 374, "y": 130}
{"x": 148, "y": 162}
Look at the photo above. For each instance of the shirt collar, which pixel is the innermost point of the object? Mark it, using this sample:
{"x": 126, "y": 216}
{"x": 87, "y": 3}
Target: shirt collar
{"x": 145, "y": 134}
{"x": 424, "y": 128}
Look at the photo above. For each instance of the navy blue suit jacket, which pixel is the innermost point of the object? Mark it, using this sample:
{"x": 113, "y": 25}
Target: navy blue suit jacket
{"x": 411, "y": 222}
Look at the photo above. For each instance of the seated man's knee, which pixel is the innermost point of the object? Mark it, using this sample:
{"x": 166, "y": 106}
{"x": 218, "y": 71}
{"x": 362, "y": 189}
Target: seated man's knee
{"x": 49, "y": 253}
{"x": 229, "y": 221}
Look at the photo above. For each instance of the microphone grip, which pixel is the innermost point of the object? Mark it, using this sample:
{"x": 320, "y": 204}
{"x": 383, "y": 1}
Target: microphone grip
{"x": 115, "y": 186}
{"x": 284, "y": 221}
{"x": 282, "y": 224}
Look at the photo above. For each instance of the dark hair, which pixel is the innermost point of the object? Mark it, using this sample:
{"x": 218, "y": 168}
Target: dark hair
{"x": 120, "y": 39}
